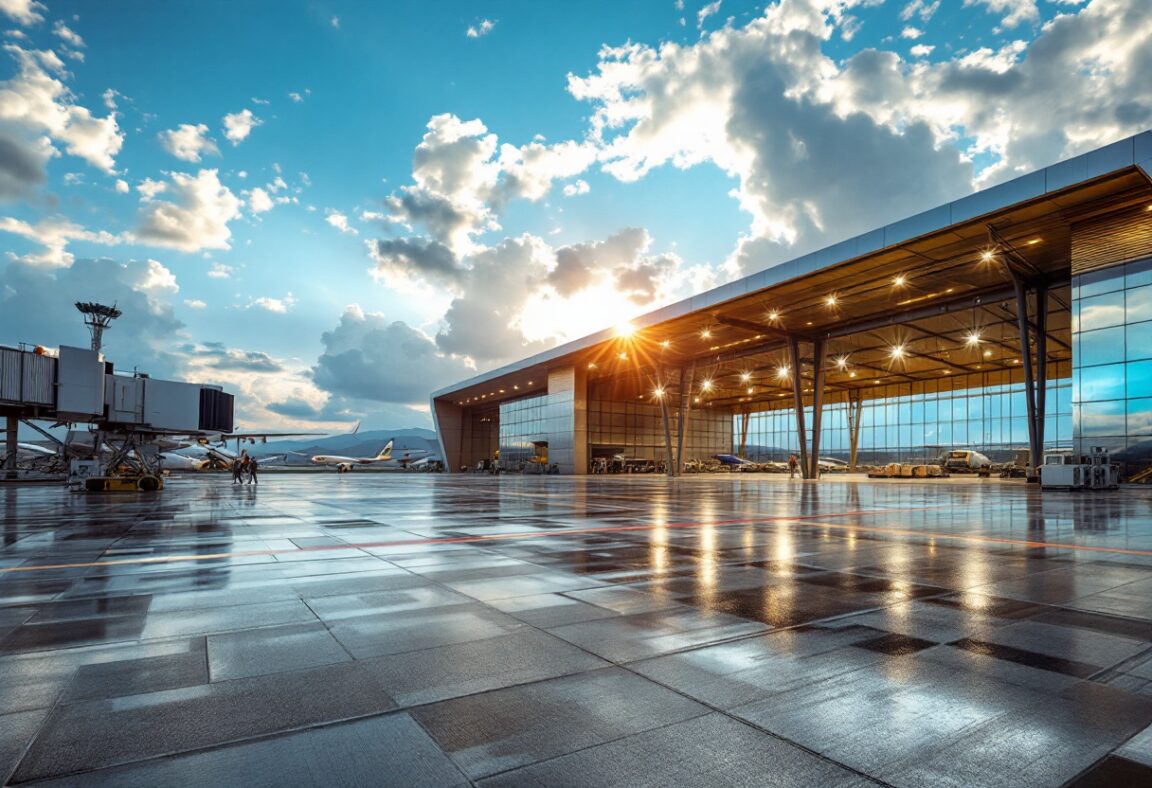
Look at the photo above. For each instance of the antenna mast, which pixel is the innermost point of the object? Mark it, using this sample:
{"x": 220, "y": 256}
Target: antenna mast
{"x": 97, "y": 317}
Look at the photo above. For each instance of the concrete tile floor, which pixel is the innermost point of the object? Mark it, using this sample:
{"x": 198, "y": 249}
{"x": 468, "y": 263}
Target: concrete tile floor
{"x": 404, "y": 629}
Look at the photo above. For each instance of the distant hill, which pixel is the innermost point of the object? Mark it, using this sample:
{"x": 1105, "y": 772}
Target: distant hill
{"x": 362, "y": 444}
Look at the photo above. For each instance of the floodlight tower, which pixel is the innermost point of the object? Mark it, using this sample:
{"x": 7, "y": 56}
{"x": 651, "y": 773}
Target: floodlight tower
{"x": 97, "y": 317}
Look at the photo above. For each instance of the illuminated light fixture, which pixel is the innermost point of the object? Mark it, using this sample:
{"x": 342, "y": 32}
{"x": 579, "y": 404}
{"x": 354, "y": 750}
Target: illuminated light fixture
{"x": 876, "y": 382}
{"x": 773, "y": 315}
{"x": 808, "y": 323}
{"x": 706, "y": 385}
{"x": 706, "y": 334}
{"x": 591, "y": 365}
{"x": 666, "y": 344}
{"x": 1015, "y": 361}
{"x": 749, "y": 391}
{"x": 987, "y": 354}
{"x": 658, "y": 392}
{"x": 745, "y": 377}
{"x": 501, "y": 391}
{"x": 987, "y": 255}
{"x": 696, "y": 400}
{"x": 529, "y": 383}
{"x": 842, "y": 362}
{"x": 623, "y": 357}
{"x": 625, "y": 330}
{"x": 831, "y": 300}
{"x": 947, "y": 372}
{"x": 899, "y": 280}
{"x": 782, "y": 372}
{"x": 897, "y": 351}
{"x": 972, "y": 339}
{"x": 1035, "y": 241}
{"x": 516, "y": 387}
{"x": 851, "y": 374}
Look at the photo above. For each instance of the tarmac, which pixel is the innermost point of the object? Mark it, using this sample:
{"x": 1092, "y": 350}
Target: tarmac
{"x": 442, "y": 630}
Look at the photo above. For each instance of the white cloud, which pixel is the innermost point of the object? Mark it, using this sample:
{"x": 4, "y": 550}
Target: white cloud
{"x": 921, "y": 50}
{"x": 296, "y": 97}
{"x": 220, "y": 271}
{"x": 54, "y": 234}
{"x": 578, "y": 186}
{"x": 1015, "y": 12}
{"x": 707, "y": 11}
{"x": 925, "y": 9}
{"x": 194, "y": 303}
{"x": 481, "y": 28}
{"x": 238, "y": 125}
{"x": 335, "y": 22}
{"x": 24, "y": 12}
{"x": 122, "y": 186}
{"x": 340, "y": 222}
{"x": 188, "y": 142}
{"x": 259, "y": 201}
{"x": 278, "y": 305}
{"x": 911, "y": 33}
{"x": 67, "y": 35}
{"x": 35, "y": 101}
{"x": 195, "y": 217}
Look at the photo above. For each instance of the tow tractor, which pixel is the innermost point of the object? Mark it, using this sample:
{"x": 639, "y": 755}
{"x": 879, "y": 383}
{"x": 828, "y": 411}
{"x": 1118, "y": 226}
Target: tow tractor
{"x": 131, "y": 465}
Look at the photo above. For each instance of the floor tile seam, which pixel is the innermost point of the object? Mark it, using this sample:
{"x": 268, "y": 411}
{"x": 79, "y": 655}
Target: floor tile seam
{"x": 755, "y": 726}
{"x": 48, "y": 716}
{"x": 706, "y": 711}
{"x": 1120, "y": 668}
{"x": 328, "y": 629}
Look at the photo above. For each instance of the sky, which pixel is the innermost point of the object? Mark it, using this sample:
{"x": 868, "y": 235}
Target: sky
{"x": 334, "y": 208}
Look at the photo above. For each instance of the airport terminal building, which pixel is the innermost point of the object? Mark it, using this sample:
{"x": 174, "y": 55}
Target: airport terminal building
{"x": 1016, "y": 319}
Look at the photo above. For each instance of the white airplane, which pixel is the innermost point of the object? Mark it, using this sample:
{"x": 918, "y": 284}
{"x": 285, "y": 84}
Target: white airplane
{"x": 345, "y": 464}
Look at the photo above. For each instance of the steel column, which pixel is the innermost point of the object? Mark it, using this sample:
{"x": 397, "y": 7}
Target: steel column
{"x": 855, "y": 411}
{"x": 817, "y": 404}
{"x": 1041, "y": 367}
{"x": 798, "y": 403}
{"x": 11, "y": 445}
{"x": 1026, "y": 362}
{"x": 669, "y": 466}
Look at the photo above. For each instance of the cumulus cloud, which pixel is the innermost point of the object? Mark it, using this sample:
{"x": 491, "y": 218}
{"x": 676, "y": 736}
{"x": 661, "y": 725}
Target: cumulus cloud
{"x": 34, "y": 298}
{"x": 925, "y": 9}
{"x": 24, "y": 12}
{"x": 259, "y": 201}
{"x": 579, "y": 186}
{"x": 1013, "y": 12}
{"x": 188, "y": 142}
{"x": 707, "y": 11}
{"x": 480, "y": 29}
{"x": 36, "y": 101}
{"x": 53, "y": 234}
{"x": 340, "y": 222}
{"x": 195, "y": 216}
{"x": 220, "y": 356}
{"x": 220, "y": 271}
{"x": 368, "y": 357}
{"x": 67, "y": 35}
{"x": 277, "y": 305}
{"x": 122, "y": 186}
{"x": 921, "y": 50}
{"x": 22, "y": 164}
{"x": 238, "y": 125}
{"x": 194, "y": 303}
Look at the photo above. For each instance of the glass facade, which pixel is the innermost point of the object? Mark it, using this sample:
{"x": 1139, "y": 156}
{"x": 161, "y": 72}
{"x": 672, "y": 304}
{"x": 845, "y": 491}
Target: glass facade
{"x": 537, "y": 432}
{"x": 1112, "y": 362}
{"x": 919, "y": 425}
{"x": 636, "y": 429}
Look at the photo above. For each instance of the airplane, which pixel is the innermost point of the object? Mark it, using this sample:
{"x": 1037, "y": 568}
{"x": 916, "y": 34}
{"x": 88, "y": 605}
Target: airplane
{"x": 345, "y": 464}
{"x": 964, "y": 460}
{"x": 736, "y": 463}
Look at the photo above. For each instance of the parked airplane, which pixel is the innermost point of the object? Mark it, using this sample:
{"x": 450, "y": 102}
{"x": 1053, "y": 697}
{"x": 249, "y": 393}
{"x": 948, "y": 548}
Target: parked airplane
{"x": 345, "y": 464}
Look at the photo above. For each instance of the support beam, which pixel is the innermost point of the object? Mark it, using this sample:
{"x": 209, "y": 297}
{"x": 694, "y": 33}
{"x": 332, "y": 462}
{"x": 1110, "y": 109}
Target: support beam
{"x": 855, "y": 411}
{"x": 669, "y": 461}
{"x": 745, "y": 419}
{"x": 1041, "y": 368}
{"x": 686, "y": 379}
{"x": 1021, "y": 288}
{"x": 798, "y": 403}
{"x": 11, "y": 444}
{"x": 818, "y": 364}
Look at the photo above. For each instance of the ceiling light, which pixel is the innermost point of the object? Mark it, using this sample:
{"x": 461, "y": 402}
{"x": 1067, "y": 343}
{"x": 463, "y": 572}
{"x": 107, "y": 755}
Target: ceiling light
{"x": 987, "y": 255}
{"x": 987, "y": 354}
{"x": 658, "y": 392}
{"x": 706, "y": 334}
{"x": 899, "y": 280}
{"x": 623, "y": 357}
{"x": 666, "y": 344}
{"x": 1034, "y": 241}
{"x": 897, "y": 352}
{"x": 876, "y": 382}
{"x": 745, "y": 377}
{"x": 842, "y": 362}
{"x": 831, "y": 300}
{"x": 749, "y": 391}
{"x": 706, "y": 385}
{"x": 517, "y": 387}
{"x": 851, "y": 374}
{"x": 696, "y": 400}
{"x": 529, "y": 383}
{"x": 782, "y": 372}
{"x": 947, "y": 372}
{"x": 972, "y": 338}
{"x": 773, "y": 315}
{"x": 591, "y": 365}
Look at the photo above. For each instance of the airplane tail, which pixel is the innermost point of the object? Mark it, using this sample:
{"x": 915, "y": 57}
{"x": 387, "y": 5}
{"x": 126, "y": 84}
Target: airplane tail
{"x": 386, "y": 452}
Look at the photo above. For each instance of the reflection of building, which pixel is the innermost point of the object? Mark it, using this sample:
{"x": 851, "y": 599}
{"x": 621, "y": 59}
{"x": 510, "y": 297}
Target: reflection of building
{"x": 919, "y": 336}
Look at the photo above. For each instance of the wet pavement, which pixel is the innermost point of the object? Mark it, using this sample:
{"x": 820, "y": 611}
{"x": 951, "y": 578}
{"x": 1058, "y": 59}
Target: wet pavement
{"x": 409, "y": 629}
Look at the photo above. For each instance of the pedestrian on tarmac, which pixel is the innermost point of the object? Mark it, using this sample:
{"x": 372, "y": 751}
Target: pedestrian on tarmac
{"x": 253, "y": 466}
{"x": 236, "y": 470}
{"x": 793, "y": 464}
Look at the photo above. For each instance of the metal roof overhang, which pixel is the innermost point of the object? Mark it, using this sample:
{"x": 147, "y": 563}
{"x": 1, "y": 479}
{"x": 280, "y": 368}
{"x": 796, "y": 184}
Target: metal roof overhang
{"x": 923, "y": 285}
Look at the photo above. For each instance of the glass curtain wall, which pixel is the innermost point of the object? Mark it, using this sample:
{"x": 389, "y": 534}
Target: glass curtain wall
{"x": 918, "y": 426}
{"x": 1112, "y": 362}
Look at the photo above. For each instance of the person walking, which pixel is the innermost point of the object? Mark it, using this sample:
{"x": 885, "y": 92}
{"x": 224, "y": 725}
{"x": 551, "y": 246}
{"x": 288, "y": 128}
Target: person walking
{"x": 253, "y": 466}
{"x": 793, "y": 464}
{"x": 236, "y": 469}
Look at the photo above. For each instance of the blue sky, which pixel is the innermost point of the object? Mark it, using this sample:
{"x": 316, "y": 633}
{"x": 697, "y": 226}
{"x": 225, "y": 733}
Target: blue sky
{"x": 405, "y": 193}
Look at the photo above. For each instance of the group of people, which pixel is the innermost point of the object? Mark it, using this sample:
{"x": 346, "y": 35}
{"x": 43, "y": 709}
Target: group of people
{"x": 245, "y": 467}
